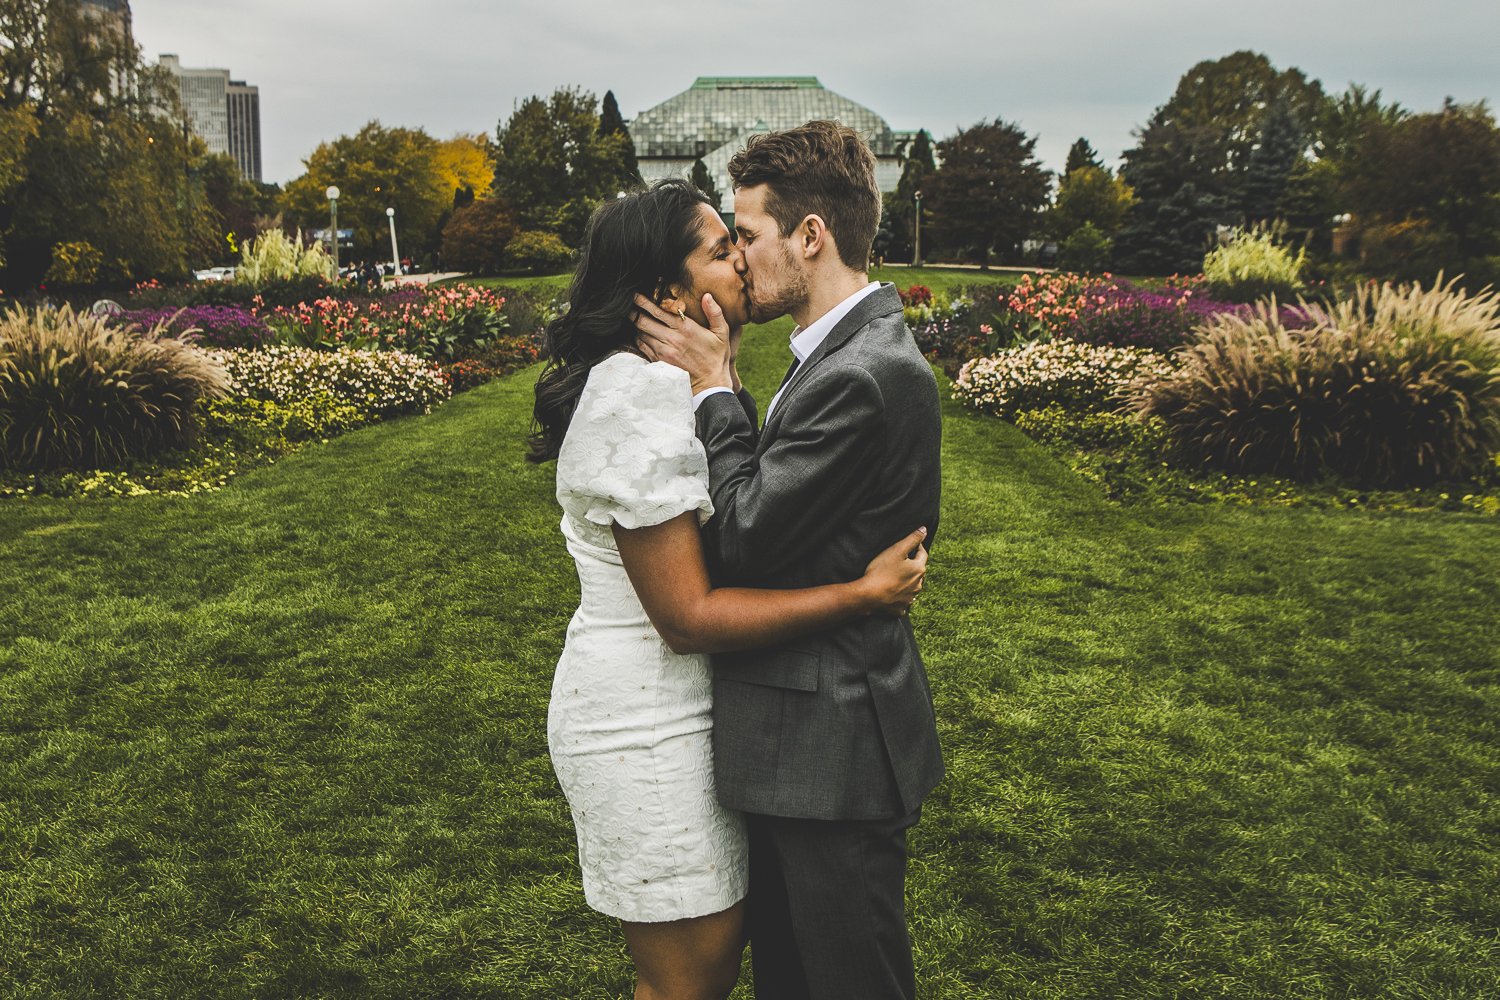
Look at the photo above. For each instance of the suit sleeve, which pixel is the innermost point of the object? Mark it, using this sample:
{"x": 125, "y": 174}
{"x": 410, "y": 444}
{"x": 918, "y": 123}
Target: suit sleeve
{"x": 772, "y": 508}
{"x": 748, "y": 402}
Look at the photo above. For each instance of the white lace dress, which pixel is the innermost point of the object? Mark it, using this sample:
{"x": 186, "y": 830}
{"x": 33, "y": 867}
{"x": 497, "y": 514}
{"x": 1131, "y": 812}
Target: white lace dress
{"x": 629, "y": 725}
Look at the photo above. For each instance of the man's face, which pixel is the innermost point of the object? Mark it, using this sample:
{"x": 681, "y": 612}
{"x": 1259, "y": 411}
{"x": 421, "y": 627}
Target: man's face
{"x": 774, "y": 277}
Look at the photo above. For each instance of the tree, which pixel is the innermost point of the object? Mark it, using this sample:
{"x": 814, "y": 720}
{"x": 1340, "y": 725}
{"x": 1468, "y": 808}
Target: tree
{"x": 553, "y": 166}
{"x": 375, "y": 169}
{"x": 989, "y": 191}
{"x": 1230, "y": 98}
{"x": 1080, "y": 155}
{"x": 703, "y": 181}
{"x": 91, "y": 154}
{"x": 1172, "y": 235}
{"x": 477, "y": 236}
{"x": 466, "y": 163}
{"x": 1282, "y": 145}
{"x": 612, "y": 123}
{"x": 1425, "y": 194}
{"x": 1204, "y": 137}
{"x": 234, "y": 204}
{"x": 898, "y": 208}
{"x": 1089, "y": 196}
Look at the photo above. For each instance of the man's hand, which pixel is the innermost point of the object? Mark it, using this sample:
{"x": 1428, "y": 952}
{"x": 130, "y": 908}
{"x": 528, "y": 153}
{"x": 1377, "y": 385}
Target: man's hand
{"x": 704, "y": 353}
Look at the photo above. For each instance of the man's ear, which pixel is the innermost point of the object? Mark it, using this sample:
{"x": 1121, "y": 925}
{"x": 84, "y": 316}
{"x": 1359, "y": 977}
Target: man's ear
{"x": 814, "y": 237}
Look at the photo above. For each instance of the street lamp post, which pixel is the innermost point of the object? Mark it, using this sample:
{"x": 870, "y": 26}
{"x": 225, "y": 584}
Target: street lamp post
{"x": 390, "y": 214}
{"x": 916, "y": 254}
{"x": 333, "y": 213}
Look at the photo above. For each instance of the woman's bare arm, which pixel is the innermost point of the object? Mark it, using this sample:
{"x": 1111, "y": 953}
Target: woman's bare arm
{"x": 666, "y": 568}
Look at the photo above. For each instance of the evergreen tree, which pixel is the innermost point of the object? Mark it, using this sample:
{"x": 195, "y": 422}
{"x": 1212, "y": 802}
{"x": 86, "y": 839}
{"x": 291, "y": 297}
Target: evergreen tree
{"x": 1270, "y": 163}
{"x": 704, "y": 182}
{"x": 612, "y": 123}
{"x": 1171, "y": 236}
{"x": 1081, "y": 154}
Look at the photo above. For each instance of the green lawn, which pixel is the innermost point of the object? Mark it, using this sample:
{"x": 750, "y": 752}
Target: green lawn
{"x": 939, "y": 279}
{"x": 288, "y": 740}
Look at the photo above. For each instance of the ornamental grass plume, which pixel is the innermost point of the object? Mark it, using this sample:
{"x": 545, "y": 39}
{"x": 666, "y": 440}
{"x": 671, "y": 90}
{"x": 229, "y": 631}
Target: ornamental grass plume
{"x": 1394, "y": 386}
{"x": 1252, "y": 265}
{"x": 77, "y": 392}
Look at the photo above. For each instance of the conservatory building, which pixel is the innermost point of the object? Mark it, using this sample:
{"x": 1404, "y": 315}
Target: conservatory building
{"x": 712, "y": 119}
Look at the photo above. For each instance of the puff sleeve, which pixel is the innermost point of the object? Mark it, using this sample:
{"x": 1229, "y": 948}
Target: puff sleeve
{"x": 631, "y": 455}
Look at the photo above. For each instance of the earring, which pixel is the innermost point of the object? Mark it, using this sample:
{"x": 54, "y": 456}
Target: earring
{"x": 682, "y": 313}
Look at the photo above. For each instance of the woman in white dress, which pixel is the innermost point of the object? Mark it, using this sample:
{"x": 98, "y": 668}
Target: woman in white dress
{"x": 629, "y": 724}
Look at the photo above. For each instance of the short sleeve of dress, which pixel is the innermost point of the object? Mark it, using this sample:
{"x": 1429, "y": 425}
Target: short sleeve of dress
{"x": 631, "y": 455}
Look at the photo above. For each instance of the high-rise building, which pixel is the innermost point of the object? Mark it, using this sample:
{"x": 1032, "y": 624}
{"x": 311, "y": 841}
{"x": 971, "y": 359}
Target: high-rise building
{"x": 244, "y": 127}
{"x": 224, "y": 113}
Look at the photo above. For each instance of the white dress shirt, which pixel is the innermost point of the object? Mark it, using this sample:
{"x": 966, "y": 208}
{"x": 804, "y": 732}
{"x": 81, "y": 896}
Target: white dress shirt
{"x": 805, "y": 342}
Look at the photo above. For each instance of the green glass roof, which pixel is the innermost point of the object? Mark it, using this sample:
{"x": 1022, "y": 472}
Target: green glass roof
{"x": 768, "y": 82}
{"x": 717, "y": 110}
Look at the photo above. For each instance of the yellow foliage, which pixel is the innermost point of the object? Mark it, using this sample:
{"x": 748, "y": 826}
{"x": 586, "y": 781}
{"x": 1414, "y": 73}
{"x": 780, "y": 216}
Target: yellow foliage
{"x": 467, "y": 161}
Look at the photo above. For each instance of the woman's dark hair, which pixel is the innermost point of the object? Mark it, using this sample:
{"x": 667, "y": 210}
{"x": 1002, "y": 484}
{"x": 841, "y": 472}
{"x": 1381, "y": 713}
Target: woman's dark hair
{"x": 636, "y": 244}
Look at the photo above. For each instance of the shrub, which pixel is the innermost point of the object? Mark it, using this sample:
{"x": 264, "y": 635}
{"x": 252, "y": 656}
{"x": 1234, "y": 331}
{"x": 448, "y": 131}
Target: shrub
{"x": 1250, "y": 265}
{"x": 916, "y": 295}
{"x": 1097, "y": 431}
{"x": 1073, "y": 375}
{"x": 476, "y": 237}
{"x": 465, "y": 375}
{"x": 78, "y": 392}
{"x": 273, "y": 257}
{"x": 248, "y": 420}
{"x": 1086, "y": 249}
{"x": 74, "y": 264}
{"x": 537, "y": 253}
{"x": 209, "y": 326}
{"x": 378, "y": 384}
{"x": 1395, "y": 385}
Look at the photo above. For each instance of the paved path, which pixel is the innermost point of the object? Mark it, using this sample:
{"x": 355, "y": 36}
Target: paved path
{"x": 426, "y": 279}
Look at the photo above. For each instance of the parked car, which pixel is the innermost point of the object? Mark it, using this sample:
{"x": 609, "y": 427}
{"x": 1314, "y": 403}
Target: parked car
{"x": 215, "y": 274}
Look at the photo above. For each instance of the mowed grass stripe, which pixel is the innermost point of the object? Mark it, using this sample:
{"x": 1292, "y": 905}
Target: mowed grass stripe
{"x": 289, "y": 739}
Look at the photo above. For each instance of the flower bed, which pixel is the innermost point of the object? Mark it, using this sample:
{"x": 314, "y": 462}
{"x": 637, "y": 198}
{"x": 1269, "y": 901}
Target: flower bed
{"x": 1035, "y": 375}
{"x": 1388, "y": 399}
{"x": 379, "y": 383}
{"x": 209, "y": 326}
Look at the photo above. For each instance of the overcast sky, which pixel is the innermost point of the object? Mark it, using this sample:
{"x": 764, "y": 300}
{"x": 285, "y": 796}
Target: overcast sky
{"x": 1060, "y": 69}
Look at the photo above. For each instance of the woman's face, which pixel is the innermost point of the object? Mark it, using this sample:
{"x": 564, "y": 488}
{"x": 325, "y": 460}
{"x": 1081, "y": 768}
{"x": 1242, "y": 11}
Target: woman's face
{"x": 716, "y": 266}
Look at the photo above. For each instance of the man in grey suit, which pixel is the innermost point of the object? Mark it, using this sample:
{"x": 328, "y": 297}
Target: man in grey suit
{"x": 827, "y": 744}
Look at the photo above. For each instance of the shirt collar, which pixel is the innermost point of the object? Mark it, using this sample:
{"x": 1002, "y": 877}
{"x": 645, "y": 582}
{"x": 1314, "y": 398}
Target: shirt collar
{"x": 804, "y": 342}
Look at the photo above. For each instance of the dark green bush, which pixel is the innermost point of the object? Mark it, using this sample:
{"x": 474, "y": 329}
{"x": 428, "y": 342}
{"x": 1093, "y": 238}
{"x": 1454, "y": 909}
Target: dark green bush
{"x": 76, "y": 392}
{"x": 537, "y": 253}
{"x": 1394, "y": 386}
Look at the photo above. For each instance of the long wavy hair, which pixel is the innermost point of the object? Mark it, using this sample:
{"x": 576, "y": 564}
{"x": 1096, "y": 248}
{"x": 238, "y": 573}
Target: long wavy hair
{"x": 638, "y": 244}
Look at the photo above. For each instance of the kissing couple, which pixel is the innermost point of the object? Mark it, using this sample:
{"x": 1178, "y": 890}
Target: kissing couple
{"x": 740, "y": 719}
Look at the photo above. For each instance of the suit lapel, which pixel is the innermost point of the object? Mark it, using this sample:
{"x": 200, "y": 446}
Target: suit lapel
{"x": 883, "y": 301}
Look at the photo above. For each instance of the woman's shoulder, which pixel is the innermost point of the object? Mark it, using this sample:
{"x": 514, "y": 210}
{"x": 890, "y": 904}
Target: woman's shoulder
{"x": 624, "y": 368}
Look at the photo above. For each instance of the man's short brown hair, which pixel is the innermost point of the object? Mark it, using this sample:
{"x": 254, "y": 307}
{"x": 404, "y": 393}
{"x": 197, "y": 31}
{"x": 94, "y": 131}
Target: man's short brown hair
{"x": 823, "y": 169}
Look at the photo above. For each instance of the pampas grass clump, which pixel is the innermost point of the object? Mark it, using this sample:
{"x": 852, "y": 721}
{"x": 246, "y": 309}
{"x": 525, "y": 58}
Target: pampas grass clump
{"x": 78, "y": 393}
{"x": 1394, "y": 386}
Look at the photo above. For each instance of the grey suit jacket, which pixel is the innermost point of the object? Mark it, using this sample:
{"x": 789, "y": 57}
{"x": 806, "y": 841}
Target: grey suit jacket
{"x": 837, "y": 725}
